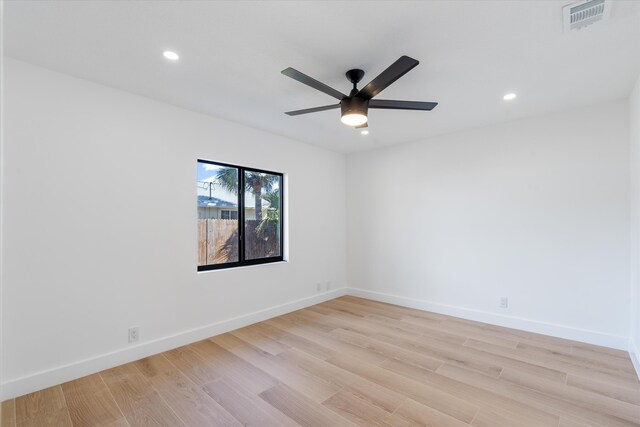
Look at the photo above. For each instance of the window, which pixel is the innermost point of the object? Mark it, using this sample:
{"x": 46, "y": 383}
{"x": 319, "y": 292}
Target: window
{"x": 229, "y": 214}
{"x": 239, "y": 216}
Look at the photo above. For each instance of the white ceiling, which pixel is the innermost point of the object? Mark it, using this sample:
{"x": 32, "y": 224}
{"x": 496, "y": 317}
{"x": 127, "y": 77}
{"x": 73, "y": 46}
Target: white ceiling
{"x": 470, "y": 53}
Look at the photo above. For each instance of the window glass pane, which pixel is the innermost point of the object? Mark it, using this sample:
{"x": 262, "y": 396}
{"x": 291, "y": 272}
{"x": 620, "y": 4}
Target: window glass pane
{"x": 262, "y": 215}
{"x": 217, "y": 227}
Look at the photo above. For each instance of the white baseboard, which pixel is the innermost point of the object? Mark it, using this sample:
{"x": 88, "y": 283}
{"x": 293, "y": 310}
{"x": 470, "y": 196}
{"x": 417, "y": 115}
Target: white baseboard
{"x": 634, "y": 353}
{"x": 561, "y": 331}
{"x": 40, "y": 380}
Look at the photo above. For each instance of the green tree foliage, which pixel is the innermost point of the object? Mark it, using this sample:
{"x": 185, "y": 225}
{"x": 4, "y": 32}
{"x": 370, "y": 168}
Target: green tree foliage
{"x": 254, "y": 183}
{"x": 273, "y": 213}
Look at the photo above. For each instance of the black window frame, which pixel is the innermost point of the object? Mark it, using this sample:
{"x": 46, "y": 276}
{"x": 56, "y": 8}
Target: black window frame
{"x": 241, "y": 213}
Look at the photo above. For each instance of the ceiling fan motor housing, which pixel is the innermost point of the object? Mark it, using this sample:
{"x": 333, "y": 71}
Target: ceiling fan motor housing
{"x": 354, "y": 105}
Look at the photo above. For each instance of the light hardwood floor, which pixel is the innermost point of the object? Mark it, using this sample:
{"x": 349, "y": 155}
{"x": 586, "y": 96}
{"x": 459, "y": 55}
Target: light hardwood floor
{"x": 347, "y": 362}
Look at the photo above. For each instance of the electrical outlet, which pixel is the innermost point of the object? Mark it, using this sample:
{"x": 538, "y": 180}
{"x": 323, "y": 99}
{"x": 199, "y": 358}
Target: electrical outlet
{"x": 504, "y": 302}
{"x": 134, "y": 334}
{"x": 318, "y": 287}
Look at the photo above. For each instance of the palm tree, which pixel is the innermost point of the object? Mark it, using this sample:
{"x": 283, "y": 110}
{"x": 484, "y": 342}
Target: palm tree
{"x": 254, "y": 182}
{"x": 273, "y": 197}
{"x": 273, "y": 213}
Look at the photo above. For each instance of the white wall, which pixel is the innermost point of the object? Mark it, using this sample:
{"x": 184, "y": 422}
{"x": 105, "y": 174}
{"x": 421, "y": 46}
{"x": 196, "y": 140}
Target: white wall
{"x": 85, "y": 258}
{"x": 634, "y": 116}
{"x": 536, "y": 210}
{"x": 1, "y": 194}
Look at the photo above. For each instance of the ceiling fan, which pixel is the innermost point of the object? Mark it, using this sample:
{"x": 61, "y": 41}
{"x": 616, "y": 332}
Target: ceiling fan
{"x": 355, "y": 106}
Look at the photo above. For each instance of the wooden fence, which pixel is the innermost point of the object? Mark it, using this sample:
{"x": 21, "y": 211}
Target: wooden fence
{"x": 218, "y": 240}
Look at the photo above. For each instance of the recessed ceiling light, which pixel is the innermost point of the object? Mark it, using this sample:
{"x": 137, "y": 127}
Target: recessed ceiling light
{"x": 364, "y": 132}
{"x": 509, "y": 96}
{"x": 171, "y": 56}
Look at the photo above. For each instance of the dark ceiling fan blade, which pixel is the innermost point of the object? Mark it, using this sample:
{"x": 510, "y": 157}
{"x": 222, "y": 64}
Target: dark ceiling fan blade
{"x": 312, "y": 110}
{"x": 303, "y": 78}
{"x": 401, "y": 105}
{"x": 396, "y": 70}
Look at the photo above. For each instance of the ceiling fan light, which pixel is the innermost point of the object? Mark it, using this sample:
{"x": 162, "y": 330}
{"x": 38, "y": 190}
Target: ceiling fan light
{"x": 354, "y": 111}
{"x": 170, "y": 55}
{"x": 354, "y": 119}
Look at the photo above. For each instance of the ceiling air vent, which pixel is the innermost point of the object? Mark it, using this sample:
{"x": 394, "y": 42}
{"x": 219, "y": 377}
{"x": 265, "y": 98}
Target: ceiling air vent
{"x": 583, "y": 13}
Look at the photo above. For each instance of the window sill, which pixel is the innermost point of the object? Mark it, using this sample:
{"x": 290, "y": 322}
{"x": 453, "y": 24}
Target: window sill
{"x": 229, "y": 266}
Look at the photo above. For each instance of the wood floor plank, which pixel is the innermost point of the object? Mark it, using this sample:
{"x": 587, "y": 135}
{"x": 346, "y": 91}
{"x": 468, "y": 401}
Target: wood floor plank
{"x": 536, "y": 382}
{"x": 58, "y": 419}
{"x": 190, "y": 403}
{"x": 307, "y": 319}
{"x": 378, "y": 396}
{"x": 444, "y": 328}
{"x": 363, "y": 325}
{"x": 570, "y": 423}
{"x": 226, "y": 340}
{"x": 621, "y": 361}
{"x": 320, "y": 309}
{"x": 44, "y": 407}
{"x": 524, "y": 354}
{"x": 499, "y": 354}
{"x": 352, "y": 361}
{"x": 597, "y": 348}
{"x": 604, "y": 404}
{"x": 313, "y": 387}
{"x": 422, "y": 415}
{"x": 41, "y": 402}
{"x": 363, "y": 310}
{"x": 452, "y": 336}
{"x": 384, "y": 312}
{"x": 374, "y": 323}
{"x": 253, "y": 336}
{"x": 487, "y": 417}
{"x": 120, "y": 422}
{"x": 422, "y": 393}
{"x": 362, "y": 413}
{"x": 8, "y": 413}
{"x": 518, "y": 335}
{"x": 140, "y": 403}
{"x": 198, "y": 368}
{"x": 388, "y": 350}
{"x": 398, "y": 324}
{"x": 482, "y": 398}
{"x": 482, "y": 331}
{"x": 446, "y": 352}
{"x": 302, "y": 410}
{"x": 234, "y": 367}
{"x": 245, "y": 406}
{"x": 591, "y": 364}
{"x": 533, "y": 397}
{"x": 326, "y": 340}
{"x": 394, "y": 308}
{"x": 425, "y": 335}
{"x": 295, "y": 341}
{"x": 90, "y": 403}
{"x": 627, "y": 393}
{"x": 573, "y": 394}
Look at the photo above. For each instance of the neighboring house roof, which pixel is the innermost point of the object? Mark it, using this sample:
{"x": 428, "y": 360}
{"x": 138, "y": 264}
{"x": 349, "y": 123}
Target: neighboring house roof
{"x": 221, "y": 198}
{"x": 214, "y": 202}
